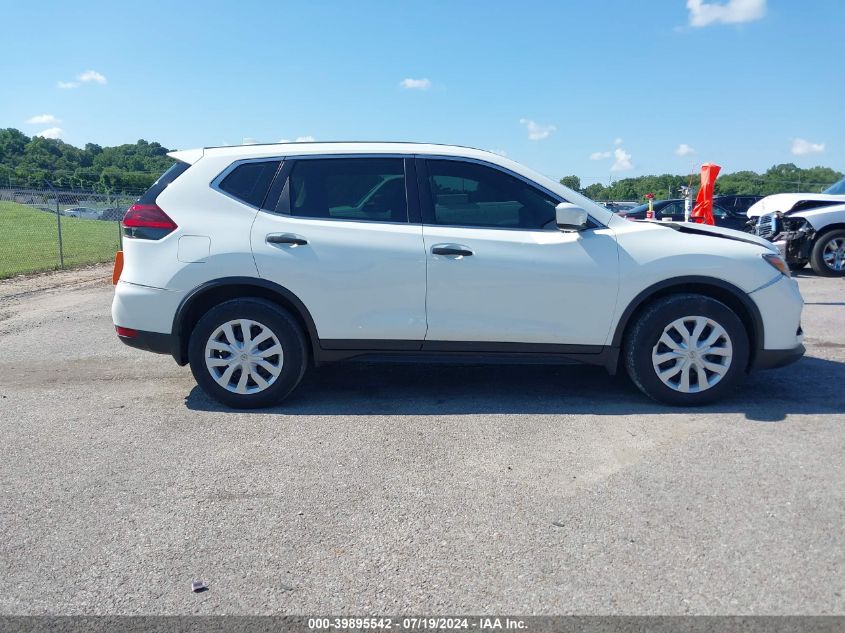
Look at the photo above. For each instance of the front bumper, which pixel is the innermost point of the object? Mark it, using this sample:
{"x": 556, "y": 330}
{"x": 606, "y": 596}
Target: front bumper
{"x": 774, "y": 358}
{"x": 779, "y": 304}
{"x": 793, "y": 236}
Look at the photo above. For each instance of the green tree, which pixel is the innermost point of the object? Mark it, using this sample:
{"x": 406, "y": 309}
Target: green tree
{"x": 34, "y": 161}
{"x": 573, "y": 182}
{"x": 595, "y": 191}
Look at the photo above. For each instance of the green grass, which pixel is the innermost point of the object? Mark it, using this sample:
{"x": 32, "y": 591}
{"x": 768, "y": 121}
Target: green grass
{"x": 29, "y": 240}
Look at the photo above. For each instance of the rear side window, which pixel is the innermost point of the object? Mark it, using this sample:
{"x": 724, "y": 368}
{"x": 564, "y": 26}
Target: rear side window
{"x": 369, "y": 189}
{"x": 176, "y": 170}
{"x": 249, "y": 182}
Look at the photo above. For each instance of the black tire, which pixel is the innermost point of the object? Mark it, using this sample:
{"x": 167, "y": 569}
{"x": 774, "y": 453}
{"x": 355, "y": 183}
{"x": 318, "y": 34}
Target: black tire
{"x": 796, "y": 265}
{"x": 817, "y": 262}
{"x": 293, "y": 361}
{"x": 642, "y": 338}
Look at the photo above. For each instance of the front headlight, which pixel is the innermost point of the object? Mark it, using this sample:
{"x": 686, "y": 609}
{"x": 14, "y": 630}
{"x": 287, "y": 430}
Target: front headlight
{"x": 776, "y": 261}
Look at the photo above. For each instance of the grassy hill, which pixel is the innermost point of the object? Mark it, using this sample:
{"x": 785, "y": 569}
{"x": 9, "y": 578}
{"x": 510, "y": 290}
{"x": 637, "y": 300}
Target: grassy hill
{"x": 29, "y": 240}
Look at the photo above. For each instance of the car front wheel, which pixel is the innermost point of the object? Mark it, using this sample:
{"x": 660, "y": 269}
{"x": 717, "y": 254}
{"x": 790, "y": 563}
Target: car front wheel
{"x": 828, "y": 255}
{"x": 686, "y": 350}
{"x": 247, "y": 353}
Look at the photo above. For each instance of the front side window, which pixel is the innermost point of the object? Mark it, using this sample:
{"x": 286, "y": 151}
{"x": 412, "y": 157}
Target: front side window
{"x": 370, "y": 189}
{"x": 249, "y": 182}
{"x": 469, "y": 194}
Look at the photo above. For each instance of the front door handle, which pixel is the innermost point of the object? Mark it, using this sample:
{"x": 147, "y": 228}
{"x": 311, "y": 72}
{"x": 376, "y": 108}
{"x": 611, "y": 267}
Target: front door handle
{"x": 286, "y": 238}
{"x": 455, "y": 250}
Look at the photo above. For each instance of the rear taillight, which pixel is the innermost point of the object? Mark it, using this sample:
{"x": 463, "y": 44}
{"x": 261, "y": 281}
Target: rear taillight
{"x": 126, "y": 332}
{"x": 147, "y": 221}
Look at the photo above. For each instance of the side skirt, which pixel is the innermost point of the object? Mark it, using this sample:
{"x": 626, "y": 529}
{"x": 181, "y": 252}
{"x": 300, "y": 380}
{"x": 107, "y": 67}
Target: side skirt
{"x": 466, "y": 352}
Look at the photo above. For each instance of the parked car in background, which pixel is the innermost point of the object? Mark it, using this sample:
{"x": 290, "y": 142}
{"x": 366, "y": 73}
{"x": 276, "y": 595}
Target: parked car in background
{"x": 616, "y": 207}
{"x": 674, "y": 210}
{"x": 112, "y": 214}
{"x": 253, "y": 263}
{"x": 736, "y": 203}
{"x": 81, "y": 212}
{"x": 806, "y": 227}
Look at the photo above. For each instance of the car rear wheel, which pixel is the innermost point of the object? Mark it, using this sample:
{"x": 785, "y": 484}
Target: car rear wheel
{"x": 686, "y": 350}
{"x": 247, "y": 353}
{"x": 828, "y": 255}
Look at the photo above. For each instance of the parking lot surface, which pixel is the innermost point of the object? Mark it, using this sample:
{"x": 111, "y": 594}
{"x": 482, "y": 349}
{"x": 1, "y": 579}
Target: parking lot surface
{"x": 399, "y": 488}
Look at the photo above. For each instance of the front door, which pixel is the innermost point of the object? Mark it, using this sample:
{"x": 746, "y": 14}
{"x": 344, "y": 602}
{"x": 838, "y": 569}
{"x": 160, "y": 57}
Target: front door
{"x": 499, "y": 270}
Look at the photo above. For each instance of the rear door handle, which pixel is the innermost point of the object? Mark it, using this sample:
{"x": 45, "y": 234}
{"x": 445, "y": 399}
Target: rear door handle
{"x": 286, "y": 238}
{"x": 455, "y": 250}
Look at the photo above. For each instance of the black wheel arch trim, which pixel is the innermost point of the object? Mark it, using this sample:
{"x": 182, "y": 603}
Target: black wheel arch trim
{"x": 682, "y": 284}
{"x": 178, "y": 333}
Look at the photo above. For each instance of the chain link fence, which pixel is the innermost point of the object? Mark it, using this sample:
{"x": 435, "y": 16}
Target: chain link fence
{"x": 48, "y": 229}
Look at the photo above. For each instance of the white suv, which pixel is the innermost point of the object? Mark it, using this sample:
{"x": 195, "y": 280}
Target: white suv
{"x": 252, "y": 263}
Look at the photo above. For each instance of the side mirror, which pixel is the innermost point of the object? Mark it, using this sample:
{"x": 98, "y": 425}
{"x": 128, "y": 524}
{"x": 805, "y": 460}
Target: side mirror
{"x": 570, "y": 217}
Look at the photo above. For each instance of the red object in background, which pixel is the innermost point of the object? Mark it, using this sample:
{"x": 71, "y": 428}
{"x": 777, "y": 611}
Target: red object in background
{"x": 702, "y": 212}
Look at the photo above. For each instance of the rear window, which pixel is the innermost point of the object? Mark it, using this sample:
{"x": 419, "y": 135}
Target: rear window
{"x": 176, "y": 170}
{"x": 369, "y": 189}
{"x": 249, "y": 182}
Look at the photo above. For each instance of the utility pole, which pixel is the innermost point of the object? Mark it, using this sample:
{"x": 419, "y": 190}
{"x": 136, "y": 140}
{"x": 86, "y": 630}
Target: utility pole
{"x": 58, "y": 224}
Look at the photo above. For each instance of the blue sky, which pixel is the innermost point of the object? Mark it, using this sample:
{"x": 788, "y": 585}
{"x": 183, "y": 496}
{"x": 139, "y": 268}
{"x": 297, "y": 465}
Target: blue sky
{"x": 743, "y": 83}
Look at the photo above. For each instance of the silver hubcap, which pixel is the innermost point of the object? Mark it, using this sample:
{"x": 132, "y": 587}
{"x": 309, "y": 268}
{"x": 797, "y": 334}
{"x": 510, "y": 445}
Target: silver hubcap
{"x": 834, "y": 254}
{"x": 692, "y": 355}
{"x": 244, "y": 356}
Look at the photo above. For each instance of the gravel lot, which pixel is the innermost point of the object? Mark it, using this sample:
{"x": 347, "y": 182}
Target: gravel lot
{"x": 397, "y": 489}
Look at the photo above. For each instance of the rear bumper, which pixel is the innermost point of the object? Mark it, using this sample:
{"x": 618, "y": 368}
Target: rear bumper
{"x": 774, "y": 358}
{"x": 154, "y": 342}
{"x": 145, "y": 308}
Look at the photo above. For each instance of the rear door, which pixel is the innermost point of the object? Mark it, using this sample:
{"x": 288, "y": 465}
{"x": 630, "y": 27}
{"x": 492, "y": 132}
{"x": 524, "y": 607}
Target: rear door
{"x": 340, "y": 234}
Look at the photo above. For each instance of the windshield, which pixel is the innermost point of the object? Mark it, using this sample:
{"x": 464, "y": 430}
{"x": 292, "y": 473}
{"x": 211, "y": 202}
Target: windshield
{"x": 837, "y": 189}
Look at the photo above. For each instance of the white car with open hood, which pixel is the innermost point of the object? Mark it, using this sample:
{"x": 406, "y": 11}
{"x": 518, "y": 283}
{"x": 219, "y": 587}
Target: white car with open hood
{"x": 807, "y": 228}
{"x": 253, "y": 263}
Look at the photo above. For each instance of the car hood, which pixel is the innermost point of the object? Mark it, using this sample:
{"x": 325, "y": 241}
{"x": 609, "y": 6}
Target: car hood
{"x": 717, "y": 231}
{"x": 785, "y": 201}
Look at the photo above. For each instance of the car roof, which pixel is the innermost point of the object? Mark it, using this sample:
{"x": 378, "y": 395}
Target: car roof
{"x": 271, "y": 150}
{"x": 347, "y": 147}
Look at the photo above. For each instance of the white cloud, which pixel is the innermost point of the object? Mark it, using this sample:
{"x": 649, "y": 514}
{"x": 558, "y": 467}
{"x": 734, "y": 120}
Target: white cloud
{"x": 623, "y": 160}
{"x": 51, "y": 132}
{"x": 500, "y": 152}
{"x": 298, "y": 139}
{"x": 537, "y": 132}
{"x": 617, "y": 141}
{"x": 87, "y": 77}
{"x": 92, "y": 75}
{"x": 684, "y": 150}
{"x": 802, "y": 147}
{"x": 415, "y": 84}
{"x": 732, "y": 12}
{"x": 248, "y": 140}
{"x": 43, "y": 119}
{"x": 599, "y": 155}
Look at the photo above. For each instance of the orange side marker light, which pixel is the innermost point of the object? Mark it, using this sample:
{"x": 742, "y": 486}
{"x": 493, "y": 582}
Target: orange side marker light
{"x": 118, "y": 267}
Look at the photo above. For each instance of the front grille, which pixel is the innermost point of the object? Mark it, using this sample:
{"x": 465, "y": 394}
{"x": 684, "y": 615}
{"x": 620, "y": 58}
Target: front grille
{"x": 767, "y": 225}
